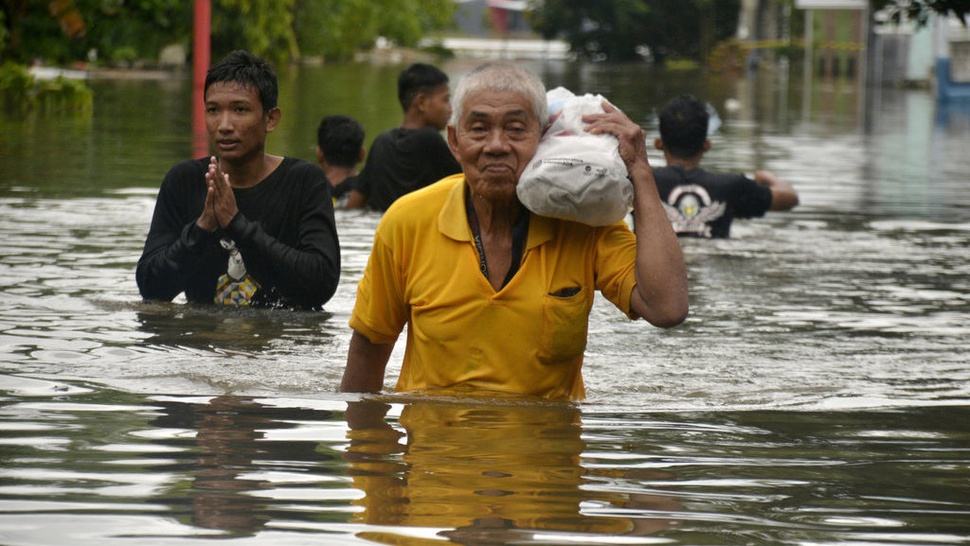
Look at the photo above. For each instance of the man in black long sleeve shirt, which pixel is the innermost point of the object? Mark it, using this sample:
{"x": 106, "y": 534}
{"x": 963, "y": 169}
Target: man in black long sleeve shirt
{"x": 243, "y": 227}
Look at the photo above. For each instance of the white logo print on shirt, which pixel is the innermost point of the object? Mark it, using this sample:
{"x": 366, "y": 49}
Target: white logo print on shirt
{"x": 690, "y": 209}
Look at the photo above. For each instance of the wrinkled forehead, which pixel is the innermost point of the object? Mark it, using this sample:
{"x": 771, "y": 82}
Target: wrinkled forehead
{"x": 498, "y": 104}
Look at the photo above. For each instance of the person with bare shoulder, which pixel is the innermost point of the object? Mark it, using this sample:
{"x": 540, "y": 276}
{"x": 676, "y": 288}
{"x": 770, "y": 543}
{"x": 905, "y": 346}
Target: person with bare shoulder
{"x": 242, "y": 227}
{"x": 495, "y": 298}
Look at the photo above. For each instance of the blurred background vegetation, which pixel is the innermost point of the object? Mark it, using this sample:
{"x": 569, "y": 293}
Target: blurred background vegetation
{"x": 125, "y": 33}
{"x": 144, "y": 33}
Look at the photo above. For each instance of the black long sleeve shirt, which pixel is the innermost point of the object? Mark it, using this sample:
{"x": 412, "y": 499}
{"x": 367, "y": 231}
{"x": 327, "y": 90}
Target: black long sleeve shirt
{"x": 285, "y": 231}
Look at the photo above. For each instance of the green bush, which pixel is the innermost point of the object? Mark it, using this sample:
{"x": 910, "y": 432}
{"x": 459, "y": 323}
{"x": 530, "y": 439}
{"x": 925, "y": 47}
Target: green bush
{"x": 64, "y": 96}
{"x": 16, "y": 88}
{"x": 21, "y": 93}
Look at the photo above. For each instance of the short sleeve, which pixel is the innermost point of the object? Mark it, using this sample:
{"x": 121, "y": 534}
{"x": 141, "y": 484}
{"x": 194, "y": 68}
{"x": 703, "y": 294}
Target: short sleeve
{"x": 750, "y": 199}
{"x": 380, "y": 311}
{"x": 616, "y": 257}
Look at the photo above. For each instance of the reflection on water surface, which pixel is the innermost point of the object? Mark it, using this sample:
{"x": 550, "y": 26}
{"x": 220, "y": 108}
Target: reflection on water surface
{"x": 106, "y": 467}
{"x": 818, "y": 393}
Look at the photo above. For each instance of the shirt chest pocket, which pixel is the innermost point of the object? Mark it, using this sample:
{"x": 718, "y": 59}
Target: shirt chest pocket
{"x": 565, "y": 323}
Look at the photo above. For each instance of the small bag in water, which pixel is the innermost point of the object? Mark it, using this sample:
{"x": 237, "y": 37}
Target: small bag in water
{"x": 576, "y": 175}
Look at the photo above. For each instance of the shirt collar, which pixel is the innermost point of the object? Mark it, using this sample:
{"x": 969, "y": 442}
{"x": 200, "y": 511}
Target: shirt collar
{"x": 453, "y": 220}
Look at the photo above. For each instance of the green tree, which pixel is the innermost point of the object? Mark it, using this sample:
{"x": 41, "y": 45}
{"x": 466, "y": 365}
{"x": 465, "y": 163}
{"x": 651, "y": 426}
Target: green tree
{"x": 64, "y": 31}
{"x": 594, "y": 29}
{"x": 263, "y": 27}
{"x": 405, "y": 22}
{"x": 620, "y": 29}
{"x": 336, "y": 29}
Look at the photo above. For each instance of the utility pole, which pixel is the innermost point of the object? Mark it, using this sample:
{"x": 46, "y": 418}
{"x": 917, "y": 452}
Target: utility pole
{"x": 201, "y": 55}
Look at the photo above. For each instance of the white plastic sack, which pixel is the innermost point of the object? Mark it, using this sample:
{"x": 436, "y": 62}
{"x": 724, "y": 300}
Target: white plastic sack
{"x": 576, "y": 175}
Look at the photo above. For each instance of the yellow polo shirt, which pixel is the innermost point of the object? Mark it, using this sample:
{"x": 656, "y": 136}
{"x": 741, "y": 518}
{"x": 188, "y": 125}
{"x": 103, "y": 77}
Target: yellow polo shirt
{"x": 528, "y": 337}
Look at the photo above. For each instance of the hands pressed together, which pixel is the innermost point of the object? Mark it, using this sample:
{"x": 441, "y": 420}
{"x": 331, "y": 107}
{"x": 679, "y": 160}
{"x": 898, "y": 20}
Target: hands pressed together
{"x": 220, "y": 203}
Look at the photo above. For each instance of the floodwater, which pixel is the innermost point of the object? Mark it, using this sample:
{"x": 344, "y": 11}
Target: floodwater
{"x": 819, "y": 393}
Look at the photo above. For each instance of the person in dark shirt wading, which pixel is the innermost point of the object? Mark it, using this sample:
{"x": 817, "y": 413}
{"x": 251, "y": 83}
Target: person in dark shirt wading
{"x": 413, "y": 155}
{"x": 700, "y": 203}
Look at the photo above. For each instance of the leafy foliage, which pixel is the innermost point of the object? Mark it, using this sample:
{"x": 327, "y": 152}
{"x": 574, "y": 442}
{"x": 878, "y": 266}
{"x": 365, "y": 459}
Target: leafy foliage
{"x": 920, "y": 10}
{"x": 21, "y": 93}
{"x": 337, "y": 29}
{"x": 621, "y": 29}
{"x": 264, "y": 27}
{"x": 65, "y": 31}
{"x": 618, "y": 29}
{"x": 122, "y": 31}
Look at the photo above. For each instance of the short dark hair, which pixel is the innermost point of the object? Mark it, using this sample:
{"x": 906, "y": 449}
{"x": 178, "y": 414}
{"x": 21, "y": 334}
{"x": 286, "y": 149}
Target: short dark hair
{"x": 249, "y": 70}
{"x": 416, "y": 79}
{"x": 340, "y": 139}
{"x": 683, "y": 126}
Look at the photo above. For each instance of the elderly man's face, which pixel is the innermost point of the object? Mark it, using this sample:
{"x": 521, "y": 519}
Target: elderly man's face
{"x": 494, "y": 140}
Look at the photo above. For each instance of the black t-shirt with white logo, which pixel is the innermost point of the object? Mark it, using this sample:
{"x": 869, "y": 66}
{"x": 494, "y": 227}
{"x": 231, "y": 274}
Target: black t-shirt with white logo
{"x": 703, "y": 204}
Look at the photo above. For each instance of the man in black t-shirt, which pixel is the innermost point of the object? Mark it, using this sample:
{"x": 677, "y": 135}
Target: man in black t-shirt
{"x": 701, "y": 203}
{"x": 413, "y": 155}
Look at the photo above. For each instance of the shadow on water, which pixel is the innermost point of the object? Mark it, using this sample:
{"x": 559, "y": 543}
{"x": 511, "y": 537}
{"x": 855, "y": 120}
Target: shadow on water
{"x": 817, "y": 394}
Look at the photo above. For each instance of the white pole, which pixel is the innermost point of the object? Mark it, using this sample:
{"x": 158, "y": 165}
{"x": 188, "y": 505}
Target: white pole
{"x": 809, "y": 62}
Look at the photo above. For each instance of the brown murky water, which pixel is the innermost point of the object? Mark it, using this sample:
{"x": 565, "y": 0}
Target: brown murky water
{"x": 818, "y": 393}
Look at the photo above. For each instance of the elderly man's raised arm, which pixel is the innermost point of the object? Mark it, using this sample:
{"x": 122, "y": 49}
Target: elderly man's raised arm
{"x": 660, "y": 295}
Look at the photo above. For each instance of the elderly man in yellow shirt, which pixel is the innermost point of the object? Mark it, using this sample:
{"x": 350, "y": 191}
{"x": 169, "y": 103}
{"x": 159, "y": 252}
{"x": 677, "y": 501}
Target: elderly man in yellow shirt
{"x": 494, "y": 297}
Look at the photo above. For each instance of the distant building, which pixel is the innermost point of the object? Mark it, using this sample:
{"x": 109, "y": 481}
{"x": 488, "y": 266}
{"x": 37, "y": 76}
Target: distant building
{"x": 491, "y": 17}
{"x": 842, "y": 36}
{"x": 497, "y": 29}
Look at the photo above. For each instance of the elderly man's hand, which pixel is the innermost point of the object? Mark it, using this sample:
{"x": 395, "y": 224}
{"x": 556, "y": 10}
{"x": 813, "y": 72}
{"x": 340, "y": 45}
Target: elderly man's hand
{"x": 632, "y": 137}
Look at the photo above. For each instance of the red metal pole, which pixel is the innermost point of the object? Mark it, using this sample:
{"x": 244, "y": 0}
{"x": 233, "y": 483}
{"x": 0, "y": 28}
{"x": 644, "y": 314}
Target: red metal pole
{"x": 201, "y": 54}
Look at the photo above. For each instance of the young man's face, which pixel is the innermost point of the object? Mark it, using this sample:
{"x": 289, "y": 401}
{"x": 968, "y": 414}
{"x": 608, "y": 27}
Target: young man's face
{"x": 437, "y": 106}
{"x": 235, "y": 121}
